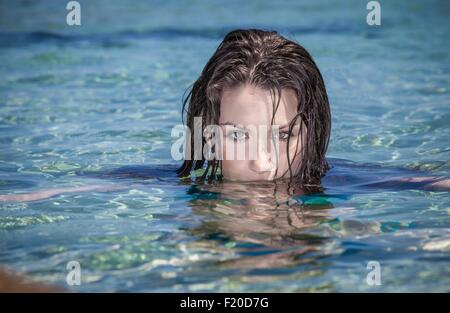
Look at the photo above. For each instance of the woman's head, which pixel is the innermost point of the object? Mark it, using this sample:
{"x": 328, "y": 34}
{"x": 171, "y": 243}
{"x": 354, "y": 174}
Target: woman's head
{"x": 257, "y": 82}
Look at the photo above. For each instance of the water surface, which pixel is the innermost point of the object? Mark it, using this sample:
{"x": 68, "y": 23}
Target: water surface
{"x": 105, "y": 95}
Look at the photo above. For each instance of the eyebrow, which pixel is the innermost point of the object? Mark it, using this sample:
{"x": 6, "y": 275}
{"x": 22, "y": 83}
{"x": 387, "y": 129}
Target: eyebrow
{"x": 287, "y": 126}
{"x": 233, "y": 124}
{"x": 241, "y": 126}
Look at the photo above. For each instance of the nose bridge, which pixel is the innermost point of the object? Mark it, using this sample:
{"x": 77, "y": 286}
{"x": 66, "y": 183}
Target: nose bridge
{"x": 263, "y": 161}
{"x": 264, "y": 139}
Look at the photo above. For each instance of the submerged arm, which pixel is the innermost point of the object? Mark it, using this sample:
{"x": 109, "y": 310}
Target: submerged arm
{"x": 429, "y": 183}
{"x": 432, "y": 183}
{"x": 44, "y": 194}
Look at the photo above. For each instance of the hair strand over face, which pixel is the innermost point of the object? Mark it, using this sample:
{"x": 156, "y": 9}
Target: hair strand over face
{"x": 267, "y": 60}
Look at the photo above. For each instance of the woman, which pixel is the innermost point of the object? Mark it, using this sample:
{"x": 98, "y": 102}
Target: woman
{"x": 260, "y": 88}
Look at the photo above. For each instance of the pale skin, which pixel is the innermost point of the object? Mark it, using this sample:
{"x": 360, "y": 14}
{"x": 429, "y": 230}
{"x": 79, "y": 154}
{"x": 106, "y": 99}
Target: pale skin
{"x": 245, "y": 113}
{"x": 242, "y": 107}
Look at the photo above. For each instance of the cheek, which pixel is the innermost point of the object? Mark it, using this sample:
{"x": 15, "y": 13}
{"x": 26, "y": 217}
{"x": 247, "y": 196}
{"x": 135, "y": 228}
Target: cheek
{"x": 235, "y": 169}
{"x": 295, "y": 154}
{"x": 237, "y": 151}
{"x": 232, "y": 168}
{"x": 295, "y": 157}
{"x": 295, "y": 149}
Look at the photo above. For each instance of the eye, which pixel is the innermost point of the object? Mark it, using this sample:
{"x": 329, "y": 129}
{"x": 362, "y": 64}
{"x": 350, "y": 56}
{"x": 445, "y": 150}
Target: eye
{"x": 282, "y": 136}
{"x": 238, "y": 135}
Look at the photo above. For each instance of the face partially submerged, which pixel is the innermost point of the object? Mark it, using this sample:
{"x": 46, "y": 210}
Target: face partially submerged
{"x": 225, "y": 93}
{"x": 246, "y": 114}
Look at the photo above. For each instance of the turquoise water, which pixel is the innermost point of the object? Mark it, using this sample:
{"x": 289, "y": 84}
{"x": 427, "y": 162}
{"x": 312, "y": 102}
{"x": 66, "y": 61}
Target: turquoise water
{"x": 79, "y": 103}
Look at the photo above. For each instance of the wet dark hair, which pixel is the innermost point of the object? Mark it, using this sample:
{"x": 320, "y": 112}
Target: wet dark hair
{"x": 267, "y": 60}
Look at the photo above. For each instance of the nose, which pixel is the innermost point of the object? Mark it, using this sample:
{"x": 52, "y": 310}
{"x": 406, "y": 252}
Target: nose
{"x": 263, "y": 163}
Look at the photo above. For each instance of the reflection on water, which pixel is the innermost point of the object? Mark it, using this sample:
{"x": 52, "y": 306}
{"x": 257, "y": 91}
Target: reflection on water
{"x": 262, "y": 213}
{"x": 227, "y": 236}
{"x": 264, "y": 220}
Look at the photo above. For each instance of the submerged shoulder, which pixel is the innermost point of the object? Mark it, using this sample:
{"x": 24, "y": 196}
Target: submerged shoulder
{"x": 138, "y": 171}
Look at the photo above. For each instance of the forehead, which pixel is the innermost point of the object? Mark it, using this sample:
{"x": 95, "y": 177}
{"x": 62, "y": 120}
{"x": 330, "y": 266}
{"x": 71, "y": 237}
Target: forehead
{"x": 250, "y": 105}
